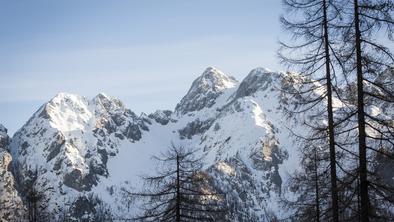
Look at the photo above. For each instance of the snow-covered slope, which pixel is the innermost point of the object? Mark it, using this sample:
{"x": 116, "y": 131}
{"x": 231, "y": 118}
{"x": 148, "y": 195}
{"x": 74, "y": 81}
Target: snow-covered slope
{"x": 80, "y": 147}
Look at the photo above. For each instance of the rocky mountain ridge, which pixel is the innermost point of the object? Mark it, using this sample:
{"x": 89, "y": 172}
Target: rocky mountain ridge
{"x": 79, "y": 147}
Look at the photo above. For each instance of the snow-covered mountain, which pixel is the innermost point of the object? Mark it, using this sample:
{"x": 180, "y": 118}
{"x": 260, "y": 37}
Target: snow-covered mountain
{"x": 74, "y": 147}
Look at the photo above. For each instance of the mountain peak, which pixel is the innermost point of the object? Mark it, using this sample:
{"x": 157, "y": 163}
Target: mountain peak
{"x": 65, "y": 96}
{"x": 204, "y": 90}
{"x": 102, "y": 96}
{"x": 64, "y": 101}
{"x": 72, "y": 108}
{"x": 210, "y": 70}
{"x": 107, "y": 102}
{"x": 260, "y": 71}
{"x": 215, "y": 79}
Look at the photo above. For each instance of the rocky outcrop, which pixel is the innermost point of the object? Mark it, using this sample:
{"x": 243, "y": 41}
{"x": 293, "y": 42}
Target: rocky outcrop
{"x": 258, "y": 79}
{"x": 11, "y": 204}
{"x": 194, "y": 128}
{"x": 162, "y": 116}
{"x": 204, "y": 90}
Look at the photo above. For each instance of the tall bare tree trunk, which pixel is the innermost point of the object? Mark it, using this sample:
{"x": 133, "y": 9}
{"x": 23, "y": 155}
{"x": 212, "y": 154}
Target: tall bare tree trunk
{"x": 317, "y": 201}
{"x": 178, "y": 193}
{"x": 361, "y": 121}
{"x": 334, "y": 190}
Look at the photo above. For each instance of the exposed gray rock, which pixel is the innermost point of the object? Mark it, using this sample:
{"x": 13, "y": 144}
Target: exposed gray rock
{"x": 4, "y": 139}
{"x": 74, "y": 180}
{"x": 204, "y": 90}
{"x": 44, "y": 113}
{"x": 55, "y": 147}
{"x": 80, "y": 182}
{"x": 108, "y": 103}
{"x": 162, "y": 116}
{"x": 240, "y": 190}
{"x": 144, "y": 121}
{"x": 11, "y": 206}
{"x": 194, "y": 128}
{"x": 257, "y": 79}
{"x": 133, "y": 132}
{"x": 88, "y": 208}
{"x": 267, "y": 159}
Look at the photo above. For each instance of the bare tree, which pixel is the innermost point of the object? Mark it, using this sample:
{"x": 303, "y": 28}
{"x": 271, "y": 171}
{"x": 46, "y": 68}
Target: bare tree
{"x": 180, "y": 191}
{"x": 309, "y": 21}
{"x": 310, "y": 184}
{"x": 365, "y": 60}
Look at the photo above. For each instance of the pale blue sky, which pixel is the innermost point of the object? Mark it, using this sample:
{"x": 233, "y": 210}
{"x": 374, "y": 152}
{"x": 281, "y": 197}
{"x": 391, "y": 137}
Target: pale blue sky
{"x": 145, "y": 52}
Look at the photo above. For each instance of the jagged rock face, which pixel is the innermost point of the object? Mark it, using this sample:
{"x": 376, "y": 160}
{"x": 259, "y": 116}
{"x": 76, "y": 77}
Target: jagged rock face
{"x": 204, "y": 90}
{"x": 99, "y": 147}
{"x": 4, "y": 139}
{"x": 235, "y": 178}
{"x": 194, "y": 128}
{"x": 162, "y": 116}
{"x": 11, "y": 204}
{"x": 258, "y": 79}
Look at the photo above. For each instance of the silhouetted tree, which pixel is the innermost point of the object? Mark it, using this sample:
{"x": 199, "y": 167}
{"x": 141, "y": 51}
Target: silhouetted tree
{"x": 309, "y": 21}
{"x": 310, "y": 184}
{"x": 367, "y": 62}
{"x": 180, "y": 191}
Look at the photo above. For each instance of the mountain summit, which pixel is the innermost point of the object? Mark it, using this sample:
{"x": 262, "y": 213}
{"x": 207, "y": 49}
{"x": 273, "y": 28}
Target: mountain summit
{"x": 204, "y": 90}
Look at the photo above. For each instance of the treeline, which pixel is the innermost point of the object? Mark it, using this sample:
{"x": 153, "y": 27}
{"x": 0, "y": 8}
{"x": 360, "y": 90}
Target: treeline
{"x": 346, "y": 90}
